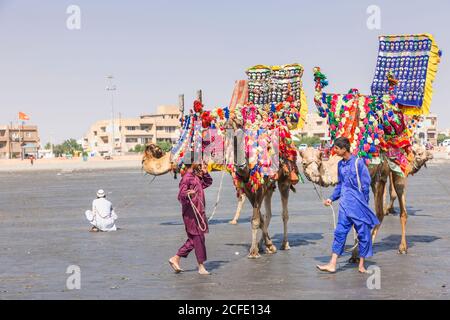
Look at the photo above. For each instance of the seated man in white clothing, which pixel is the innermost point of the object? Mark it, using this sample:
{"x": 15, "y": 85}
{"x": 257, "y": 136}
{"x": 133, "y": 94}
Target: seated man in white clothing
{"x": 102, "y": 217}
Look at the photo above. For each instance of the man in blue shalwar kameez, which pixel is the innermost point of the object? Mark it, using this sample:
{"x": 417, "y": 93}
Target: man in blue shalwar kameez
{"x": 354, "y": 207}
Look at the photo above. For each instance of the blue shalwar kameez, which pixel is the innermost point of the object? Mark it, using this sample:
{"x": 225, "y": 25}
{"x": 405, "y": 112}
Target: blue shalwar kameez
{"x": 354, "y": 207}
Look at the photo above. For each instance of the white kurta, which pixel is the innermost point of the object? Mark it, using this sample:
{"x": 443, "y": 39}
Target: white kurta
{"x": 102, "y": 215}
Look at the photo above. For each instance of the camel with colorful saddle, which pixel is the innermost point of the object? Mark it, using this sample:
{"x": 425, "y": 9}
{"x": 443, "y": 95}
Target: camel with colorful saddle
{"x": 381, "y": 126}
{"x": 250, "y": 139}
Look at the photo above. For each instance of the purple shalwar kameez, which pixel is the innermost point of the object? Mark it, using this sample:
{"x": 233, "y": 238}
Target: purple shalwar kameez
{"x": 195, "y": 233}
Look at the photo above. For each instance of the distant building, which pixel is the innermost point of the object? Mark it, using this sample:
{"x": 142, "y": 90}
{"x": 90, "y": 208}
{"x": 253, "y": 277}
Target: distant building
{"x": 427, "y": 131}
{"x": 17, "y": 142}
{"x": 445, "y": 132}
{"x": 315, "y": 126}
{"x": 152, "y": 128}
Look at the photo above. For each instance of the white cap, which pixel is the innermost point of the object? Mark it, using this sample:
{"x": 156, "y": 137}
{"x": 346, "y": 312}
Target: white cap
{"x": 101, "y": 193}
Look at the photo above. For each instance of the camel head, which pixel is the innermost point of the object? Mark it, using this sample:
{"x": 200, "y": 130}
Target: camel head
{"x": 153, "y": 151}
{"x": 421, "y": 156}
{"x": 155, "y": 161}
{"x": 329, "y": 171}
{"x": 311, "y": 162}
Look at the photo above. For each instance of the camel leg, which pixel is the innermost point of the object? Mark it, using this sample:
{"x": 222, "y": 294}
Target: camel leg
{"x": 378, "y": 191}
{"x": 392, "y": 195}
{"x": 270, "y": 248}
{"x": 256, "y": 221}
{"x": 241, "y": 202}
{"x": 284, "y": 192}
{"x": 400, "y": 188}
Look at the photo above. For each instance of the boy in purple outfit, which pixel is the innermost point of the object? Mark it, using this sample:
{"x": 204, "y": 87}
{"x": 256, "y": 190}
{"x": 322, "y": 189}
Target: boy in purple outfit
{"x": 192, "y": 199}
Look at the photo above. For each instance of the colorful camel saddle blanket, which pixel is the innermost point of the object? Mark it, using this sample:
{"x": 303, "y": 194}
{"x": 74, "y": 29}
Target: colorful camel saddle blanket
{"x": 413, "y": 60}
{"x": 266, "y": 145}
{"x": 265, "y": 108}
{"x": 374, "y": 125}
{"x": 272, "y": 85}
{"x": 394, "y": 166}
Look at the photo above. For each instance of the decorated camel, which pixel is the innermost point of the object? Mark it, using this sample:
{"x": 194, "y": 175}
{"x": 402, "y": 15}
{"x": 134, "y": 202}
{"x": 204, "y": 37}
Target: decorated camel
{"x": 156, "y": 162}
{"x": 380, "y": 126}
{"x": 275, "y": 104}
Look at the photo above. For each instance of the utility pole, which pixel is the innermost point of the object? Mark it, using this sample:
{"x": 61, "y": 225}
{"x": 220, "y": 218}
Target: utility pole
{"x": 10, "y": 139}
{"x": 120, "y": 133}
{"x": 51, "y": 142}
{"x": 111, "y": 88}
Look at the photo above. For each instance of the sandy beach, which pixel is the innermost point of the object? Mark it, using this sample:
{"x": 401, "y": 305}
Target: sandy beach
{"x": 118, "y": 162}
{"x": 63, "y": 164}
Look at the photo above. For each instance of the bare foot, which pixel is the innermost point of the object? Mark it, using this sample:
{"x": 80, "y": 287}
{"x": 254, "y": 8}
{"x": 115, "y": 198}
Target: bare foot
{"x": 175, "y": 264}
{"x": 202, "y": 270}
{"x": 327, "y": 268}
{"x": 234, "y": 222}
{"x": 94, "y": 229}
{"x": 361, "y": 267}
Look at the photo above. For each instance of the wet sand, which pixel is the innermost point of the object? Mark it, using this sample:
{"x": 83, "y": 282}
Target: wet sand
{"x": 43, "y": 231}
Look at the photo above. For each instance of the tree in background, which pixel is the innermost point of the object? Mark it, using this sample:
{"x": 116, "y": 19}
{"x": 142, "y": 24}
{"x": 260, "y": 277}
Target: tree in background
{"x": 166, "y": 146}
{"x": 441, "y": 138}
{"x": 70, "y": 146}
{"x": 310, "y": 141}
{"x": 139, "y": 148}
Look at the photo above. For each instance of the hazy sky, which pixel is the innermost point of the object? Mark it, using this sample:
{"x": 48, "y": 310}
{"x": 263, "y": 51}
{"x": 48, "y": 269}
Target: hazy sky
{"x": 158, "y": 49}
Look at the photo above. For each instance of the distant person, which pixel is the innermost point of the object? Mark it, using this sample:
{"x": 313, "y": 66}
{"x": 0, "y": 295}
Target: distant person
{"x": 32, "y": 160}
{"x": 102, "y": 217}
{"x": 192, "y": 199}
{"x": 353, "y": 190}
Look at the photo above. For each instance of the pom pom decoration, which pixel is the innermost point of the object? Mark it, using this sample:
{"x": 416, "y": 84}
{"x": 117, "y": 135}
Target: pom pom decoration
{"x": 274, "y": 107}
{"x": 198, "y": 106}
{"x": 373, "y": 124}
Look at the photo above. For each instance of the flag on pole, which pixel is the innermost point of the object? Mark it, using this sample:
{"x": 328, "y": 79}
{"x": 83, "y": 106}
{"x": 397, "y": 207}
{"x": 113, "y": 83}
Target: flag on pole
{"x": 23, "y": 116}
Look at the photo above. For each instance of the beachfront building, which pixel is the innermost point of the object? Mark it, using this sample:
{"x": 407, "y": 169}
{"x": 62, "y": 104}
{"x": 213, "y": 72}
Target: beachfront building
{"x": 445, "y": 132}
{"x": 427, "y": 131}
{"x": 315, "y": 126}
{"x": 130, "y": 132}
{"x": 19, "y": 142}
